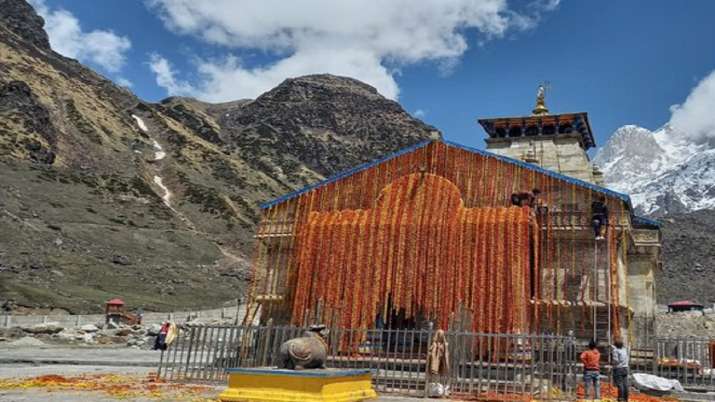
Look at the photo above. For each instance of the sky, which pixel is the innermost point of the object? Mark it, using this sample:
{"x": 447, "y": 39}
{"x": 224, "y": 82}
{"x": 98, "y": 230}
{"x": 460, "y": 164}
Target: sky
{"x": 448, "y": 62}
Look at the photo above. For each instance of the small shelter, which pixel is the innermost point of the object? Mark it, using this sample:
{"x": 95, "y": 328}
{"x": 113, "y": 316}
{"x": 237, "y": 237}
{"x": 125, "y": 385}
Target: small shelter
{"x": 113, "y": 310}
{"x": 684, "y": 305}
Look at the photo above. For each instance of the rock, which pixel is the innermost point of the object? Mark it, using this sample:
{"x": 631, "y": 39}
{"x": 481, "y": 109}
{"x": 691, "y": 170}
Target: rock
{"x": 123, "y": 332}
{"x": 121, "y": 260}
{"x": 86, "y": 338}
{"x": 66, "y": 335}
{"x": 27, "y": 341}
{"x": 19, "y": 17}
{"x": 12, "y": 332}
{"x": 153, "y": 330}
{"x": 89, "y": 328}
{"x": 104, "y": 339}
{"x": 46, "y": 328}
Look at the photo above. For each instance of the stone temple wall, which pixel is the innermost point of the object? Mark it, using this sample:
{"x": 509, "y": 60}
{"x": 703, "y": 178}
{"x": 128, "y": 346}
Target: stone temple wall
{"x": 561, "y": 154}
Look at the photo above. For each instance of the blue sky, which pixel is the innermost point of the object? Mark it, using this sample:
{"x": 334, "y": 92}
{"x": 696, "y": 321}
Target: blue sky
{"x": 623, "y": 62}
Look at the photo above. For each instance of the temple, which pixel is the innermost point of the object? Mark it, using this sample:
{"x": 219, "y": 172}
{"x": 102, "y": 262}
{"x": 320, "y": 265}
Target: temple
{"x": 431, "y": 235}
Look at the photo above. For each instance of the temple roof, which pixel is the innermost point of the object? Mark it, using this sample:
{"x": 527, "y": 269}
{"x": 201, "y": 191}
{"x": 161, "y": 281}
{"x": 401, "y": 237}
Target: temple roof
{"x": 603, "y": 190}
{"x": 541, "y": 126}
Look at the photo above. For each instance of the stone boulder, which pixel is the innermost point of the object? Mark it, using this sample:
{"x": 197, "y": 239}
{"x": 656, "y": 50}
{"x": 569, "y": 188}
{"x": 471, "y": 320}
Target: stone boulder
{"x": 46, "y": 328}
{"x": 89, "y": 328}
{"x": 153, "y": 330}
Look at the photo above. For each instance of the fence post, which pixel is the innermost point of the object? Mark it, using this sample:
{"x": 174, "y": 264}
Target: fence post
{"x": 427, "y": 369}
{"x": 8, "y": 320}
{"x": 44, "y": 319}
{"x": 266, "y": 343}
{"x": 79, "y": 318}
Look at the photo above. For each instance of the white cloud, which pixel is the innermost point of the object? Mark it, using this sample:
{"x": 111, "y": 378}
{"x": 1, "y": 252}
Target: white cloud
{"x": 419, "y": 113}
{"x": 165, "y": 77}
{"x": 364, "y": 39}
{"x": 695, "y": 117}
{"x": 124, "y": 82}
{"x": 101, "y": 47}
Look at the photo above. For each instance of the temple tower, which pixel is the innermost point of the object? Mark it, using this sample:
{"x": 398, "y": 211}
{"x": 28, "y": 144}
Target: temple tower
{"x": 557, "y": 142}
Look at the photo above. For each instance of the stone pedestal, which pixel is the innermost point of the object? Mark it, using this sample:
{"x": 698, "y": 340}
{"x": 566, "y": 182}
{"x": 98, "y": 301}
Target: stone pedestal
{"x": 271, "y": 384}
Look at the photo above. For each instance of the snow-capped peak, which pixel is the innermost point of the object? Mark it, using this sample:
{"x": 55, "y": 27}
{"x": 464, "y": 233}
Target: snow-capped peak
{"x": 662, "y": 171}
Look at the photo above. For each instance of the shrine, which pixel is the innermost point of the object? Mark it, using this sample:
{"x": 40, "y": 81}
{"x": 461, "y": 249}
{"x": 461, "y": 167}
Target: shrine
{"x": 433, "y": 235}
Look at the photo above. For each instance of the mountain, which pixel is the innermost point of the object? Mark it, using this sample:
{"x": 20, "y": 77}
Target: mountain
{"x": 671, "y": 179}
{"x": 662, "y": 171}
{"x": 103, "y": 194}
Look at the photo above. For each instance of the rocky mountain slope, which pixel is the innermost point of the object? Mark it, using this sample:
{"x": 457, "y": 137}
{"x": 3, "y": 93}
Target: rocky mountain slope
{"x": 103, "y": 194}
{"x": 662, "y": 171}
{"x": 688, "y": 258}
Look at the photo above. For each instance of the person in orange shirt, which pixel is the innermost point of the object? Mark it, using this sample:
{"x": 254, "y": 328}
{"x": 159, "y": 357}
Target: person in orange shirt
{"x": 591, "y": 360}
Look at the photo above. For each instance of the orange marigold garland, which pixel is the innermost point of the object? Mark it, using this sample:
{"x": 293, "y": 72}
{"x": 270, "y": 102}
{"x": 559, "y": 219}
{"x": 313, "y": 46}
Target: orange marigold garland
{"x": 414, "y": 249}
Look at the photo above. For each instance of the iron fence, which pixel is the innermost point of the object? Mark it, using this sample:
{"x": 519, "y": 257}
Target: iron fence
{"x": 688, "y": 360}
{"x": 480, "y": 365}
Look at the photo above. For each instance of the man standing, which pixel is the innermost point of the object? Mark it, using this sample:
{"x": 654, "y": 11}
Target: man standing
{"x": 619, "y": 355}
{"x": 591, "y": 360}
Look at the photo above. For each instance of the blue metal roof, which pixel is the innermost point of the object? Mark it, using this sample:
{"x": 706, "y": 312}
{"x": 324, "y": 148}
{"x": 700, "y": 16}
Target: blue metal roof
{"x": 625, "y": 198}
{"x": 642, "y": 220}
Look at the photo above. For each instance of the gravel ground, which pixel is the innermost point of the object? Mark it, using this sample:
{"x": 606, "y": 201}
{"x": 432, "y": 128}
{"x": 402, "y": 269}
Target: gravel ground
{"x": 100, "y": 356}
{"x": 16, "y": 362}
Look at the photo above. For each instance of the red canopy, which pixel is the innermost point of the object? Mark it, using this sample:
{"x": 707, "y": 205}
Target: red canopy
{"x": 115, "y": 302}
{"x": 684, "y": 303}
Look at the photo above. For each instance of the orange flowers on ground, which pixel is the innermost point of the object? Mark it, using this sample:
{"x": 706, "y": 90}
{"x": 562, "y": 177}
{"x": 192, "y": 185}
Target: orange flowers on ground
{"x": 610, "y": 392}
{"x": 116, "y": 386}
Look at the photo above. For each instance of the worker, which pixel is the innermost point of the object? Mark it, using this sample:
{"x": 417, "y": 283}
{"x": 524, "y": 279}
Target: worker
{"x": 523, "y": 199}
{"x": 619, "y": 356}
{"x": 599, "y": 216}
{"x": 591, "y": 360}
{"x": 539, "y": 204}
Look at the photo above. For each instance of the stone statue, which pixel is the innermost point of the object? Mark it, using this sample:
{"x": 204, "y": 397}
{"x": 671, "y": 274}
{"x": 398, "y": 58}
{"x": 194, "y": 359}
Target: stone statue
{"x": 307, "y": 352}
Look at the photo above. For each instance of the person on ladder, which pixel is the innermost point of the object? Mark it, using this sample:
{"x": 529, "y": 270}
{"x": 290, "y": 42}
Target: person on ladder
{"x": 599, "y": 216}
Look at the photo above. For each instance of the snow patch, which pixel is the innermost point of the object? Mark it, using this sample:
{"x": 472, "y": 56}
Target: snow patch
{"x": 167, "y": 194}
{"x": 140, "y": 123}
{"x": 159, "y": 153}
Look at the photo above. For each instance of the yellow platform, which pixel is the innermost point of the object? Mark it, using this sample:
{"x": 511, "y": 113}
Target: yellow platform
{"x": 270, "y": 384}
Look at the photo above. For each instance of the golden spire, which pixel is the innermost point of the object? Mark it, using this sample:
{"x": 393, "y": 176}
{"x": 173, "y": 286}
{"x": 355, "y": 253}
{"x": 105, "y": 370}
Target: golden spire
{"x": 540, "y": 109}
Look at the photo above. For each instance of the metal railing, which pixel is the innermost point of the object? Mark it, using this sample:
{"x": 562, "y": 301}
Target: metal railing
{"x": 688, "y": 360}
{"x": 480, "y": 365}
